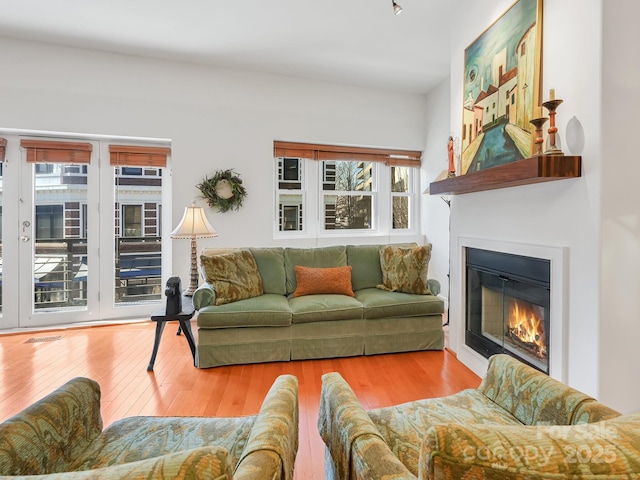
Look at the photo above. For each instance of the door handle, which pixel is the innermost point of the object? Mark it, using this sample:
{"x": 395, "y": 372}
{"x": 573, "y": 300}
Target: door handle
{"x": 25, "y": 238}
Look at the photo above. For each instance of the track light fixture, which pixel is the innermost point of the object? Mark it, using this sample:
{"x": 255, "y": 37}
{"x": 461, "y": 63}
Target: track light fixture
{"x": 397, "y": 9}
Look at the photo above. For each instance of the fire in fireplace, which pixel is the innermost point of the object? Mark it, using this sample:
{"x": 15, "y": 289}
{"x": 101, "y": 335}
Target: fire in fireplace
{"x": 525, "y": 328}
{"x": 507, "y": 311}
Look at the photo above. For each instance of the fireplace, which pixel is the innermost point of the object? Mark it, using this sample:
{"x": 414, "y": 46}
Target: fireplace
{"x": 508, "y": 306}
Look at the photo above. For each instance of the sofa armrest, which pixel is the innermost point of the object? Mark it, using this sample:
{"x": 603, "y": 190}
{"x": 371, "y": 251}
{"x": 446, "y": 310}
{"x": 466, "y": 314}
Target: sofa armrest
{"x": 204, "y": 296}
{"x": 271, "y": 449}
{"x": 434, "y": 286}
{"x": 597, "y": 450}
{"x": 531, "y": 396}
{"x": 49, "y": 434}
{"x": 354, "y": 444}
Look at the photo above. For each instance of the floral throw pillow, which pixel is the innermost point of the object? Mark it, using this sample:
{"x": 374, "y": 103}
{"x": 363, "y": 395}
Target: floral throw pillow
{"x": 404, "y": 269}
{"x": 234, "y": 276}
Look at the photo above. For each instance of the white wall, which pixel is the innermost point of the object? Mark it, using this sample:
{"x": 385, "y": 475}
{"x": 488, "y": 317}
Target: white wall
{"x": 620, "y": 279}
{"x": 216, "y": 119}
{"x": 435, "y": 212}
{"x": 564, "y": 213}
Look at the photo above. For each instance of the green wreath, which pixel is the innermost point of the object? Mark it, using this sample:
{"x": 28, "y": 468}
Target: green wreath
{"x": 224, "y": 191}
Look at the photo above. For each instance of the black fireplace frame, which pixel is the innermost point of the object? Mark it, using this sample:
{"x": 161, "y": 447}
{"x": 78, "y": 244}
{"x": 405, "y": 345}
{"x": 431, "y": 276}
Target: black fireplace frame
{"x": 506, "y": 267}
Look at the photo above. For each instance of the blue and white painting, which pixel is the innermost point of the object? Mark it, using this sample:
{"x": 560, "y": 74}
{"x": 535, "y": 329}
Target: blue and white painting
{"x": 502, "y": 89}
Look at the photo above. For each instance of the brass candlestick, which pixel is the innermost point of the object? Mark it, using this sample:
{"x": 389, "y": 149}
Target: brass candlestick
{"x": 552, "y": 105}
{"x": 538, "y": 123}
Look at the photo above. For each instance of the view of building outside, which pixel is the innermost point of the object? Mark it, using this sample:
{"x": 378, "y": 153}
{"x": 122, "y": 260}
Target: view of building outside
{"x": 60, "y": 258}
{"x": 348, "y": 194}
{"x": 290, "y": 198}
{"x": 400, "y": 196}
{"x": 138, "y": 233}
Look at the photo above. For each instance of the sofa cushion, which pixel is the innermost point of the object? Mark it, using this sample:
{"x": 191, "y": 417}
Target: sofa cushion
{"x": 138, "y": 438}
{"x": 365, "y": 261}
{"x": 270, "y": 261}
{"x": 322, "y": 307}
{"x": 268, "y": 310}
{"x": 384, "y": 304}
{"x": 180, "y": 465}
{"x": 404, "y": 269}
{"x": 313, "y": 281}
{"x": 335, "y": 256}
{"x": 403, "y": 426}
{"x": 604, "y": 450}
{"x": 235, "y": 276}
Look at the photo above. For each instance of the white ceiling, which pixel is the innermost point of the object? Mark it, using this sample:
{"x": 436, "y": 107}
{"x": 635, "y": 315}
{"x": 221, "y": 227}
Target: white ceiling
{"x": 358, "y": 42}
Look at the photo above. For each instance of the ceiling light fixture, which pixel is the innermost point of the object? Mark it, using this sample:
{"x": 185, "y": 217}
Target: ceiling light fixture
{"x": 397, "y": 9}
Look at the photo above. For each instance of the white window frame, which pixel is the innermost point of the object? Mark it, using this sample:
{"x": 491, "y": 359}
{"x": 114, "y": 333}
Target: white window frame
{"x": 306, "y": 220}
{"x": 382, "y": 200}
{"x": 412, "y": 194}
{"x": 373, "y": 193}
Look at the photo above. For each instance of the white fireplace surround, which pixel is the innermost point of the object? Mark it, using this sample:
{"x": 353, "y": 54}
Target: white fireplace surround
{"x": 558, "y": 257}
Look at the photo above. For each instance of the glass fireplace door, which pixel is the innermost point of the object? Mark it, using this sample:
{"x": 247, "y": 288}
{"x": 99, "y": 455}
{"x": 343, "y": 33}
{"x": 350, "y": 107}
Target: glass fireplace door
{"x": 508, "y": 307}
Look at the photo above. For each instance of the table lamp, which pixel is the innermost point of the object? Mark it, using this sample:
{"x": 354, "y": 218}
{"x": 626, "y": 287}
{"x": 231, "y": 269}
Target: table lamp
{"x": 194, "y": 224}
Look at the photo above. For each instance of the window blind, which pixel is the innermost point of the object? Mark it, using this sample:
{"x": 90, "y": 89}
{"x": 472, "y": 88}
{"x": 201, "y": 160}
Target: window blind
{"x": 131, "y": 155}
{"x": 45, "y": 151}
{"x": 406, "y": 158}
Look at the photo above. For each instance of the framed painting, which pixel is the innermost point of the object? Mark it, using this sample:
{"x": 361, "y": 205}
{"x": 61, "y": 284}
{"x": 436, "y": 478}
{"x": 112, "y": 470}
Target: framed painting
{"x": 502, "y": 88}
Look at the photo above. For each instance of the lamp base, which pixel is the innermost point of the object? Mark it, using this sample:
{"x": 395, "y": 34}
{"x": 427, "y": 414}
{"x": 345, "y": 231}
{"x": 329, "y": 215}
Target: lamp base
{"x": 193, "y": 277}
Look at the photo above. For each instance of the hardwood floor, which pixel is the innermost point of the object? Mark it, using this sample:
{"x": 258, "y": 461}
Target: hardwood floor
{"x": 36, "y": 363}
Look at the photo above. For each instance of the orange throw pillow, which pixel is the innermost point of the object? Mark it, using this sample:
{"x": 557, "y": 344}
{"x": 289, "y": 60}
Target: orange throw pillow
{"x": 313, "y": 281}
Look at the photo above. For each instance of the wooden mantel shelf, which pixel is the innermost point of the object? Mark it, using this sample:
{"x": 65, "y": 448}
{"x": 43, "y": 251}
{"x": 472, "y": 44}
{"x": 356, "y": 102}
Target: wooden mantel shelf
{"x": 541, "y": 168}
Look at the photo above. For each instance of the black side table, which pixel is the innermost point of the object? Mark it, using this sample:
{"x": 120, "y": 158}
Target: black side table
{"x": 184, "y": 317}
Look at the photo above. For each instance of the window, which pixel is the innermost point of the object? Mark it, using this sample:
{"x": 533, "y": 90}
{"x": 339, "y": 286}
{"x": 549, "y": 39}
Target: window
{"x": 289, "y": 194}
{"x": 138, "y": 227}
{"x": 75, "y": 169}
{"x": 42, "y": 168}
{"x": 291, "y": 217}
{"x": 347, "y": 195}
{"x": 132, "y": 220}
{"x": 401, "y": 194}
{"x": 83, "y": 221}
{"x": 49, "y": 222}
{"x": 131, "y": 171}
{"x": 324, "y": 189}
{"x": 289, "y": 173}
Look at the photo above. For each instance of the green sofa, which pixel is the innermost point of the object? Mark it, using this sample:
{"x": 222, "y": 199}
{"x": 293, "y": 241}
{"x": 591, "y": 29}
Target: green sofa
{"x": 275, "y": 326}
{"x": 519, "y": 424}
{"x": 61, "y": 437}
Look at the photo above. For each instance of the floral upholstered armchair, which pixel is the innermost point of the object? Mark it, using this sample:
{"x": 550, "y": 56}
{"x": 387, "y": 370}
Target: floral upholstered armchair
{"x": 519, "y": 424}
{"x": 61, "y": 437}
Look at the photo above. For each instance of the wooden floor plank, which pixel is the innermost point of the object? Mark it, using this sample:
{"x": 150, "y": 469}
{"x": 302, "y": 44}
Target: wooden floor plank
{"x": 117, "y": 356}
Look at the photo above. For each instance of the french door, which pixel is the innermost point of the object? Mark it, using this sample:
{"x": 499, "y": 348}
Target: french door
{"x": 64, "y": 256}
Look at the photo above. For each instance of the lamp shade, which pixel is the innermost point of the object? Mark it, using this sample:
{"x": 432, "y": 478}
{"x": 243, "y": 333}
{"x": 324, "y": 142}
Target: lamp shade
{"x": 194, "y": 224}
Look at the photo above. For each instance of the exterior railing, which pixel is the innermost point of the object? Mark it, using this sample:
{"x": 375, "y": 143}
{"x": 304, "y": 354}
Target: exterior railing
{"x": 61, "y": 271}
{"x": 138, "y": 272}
